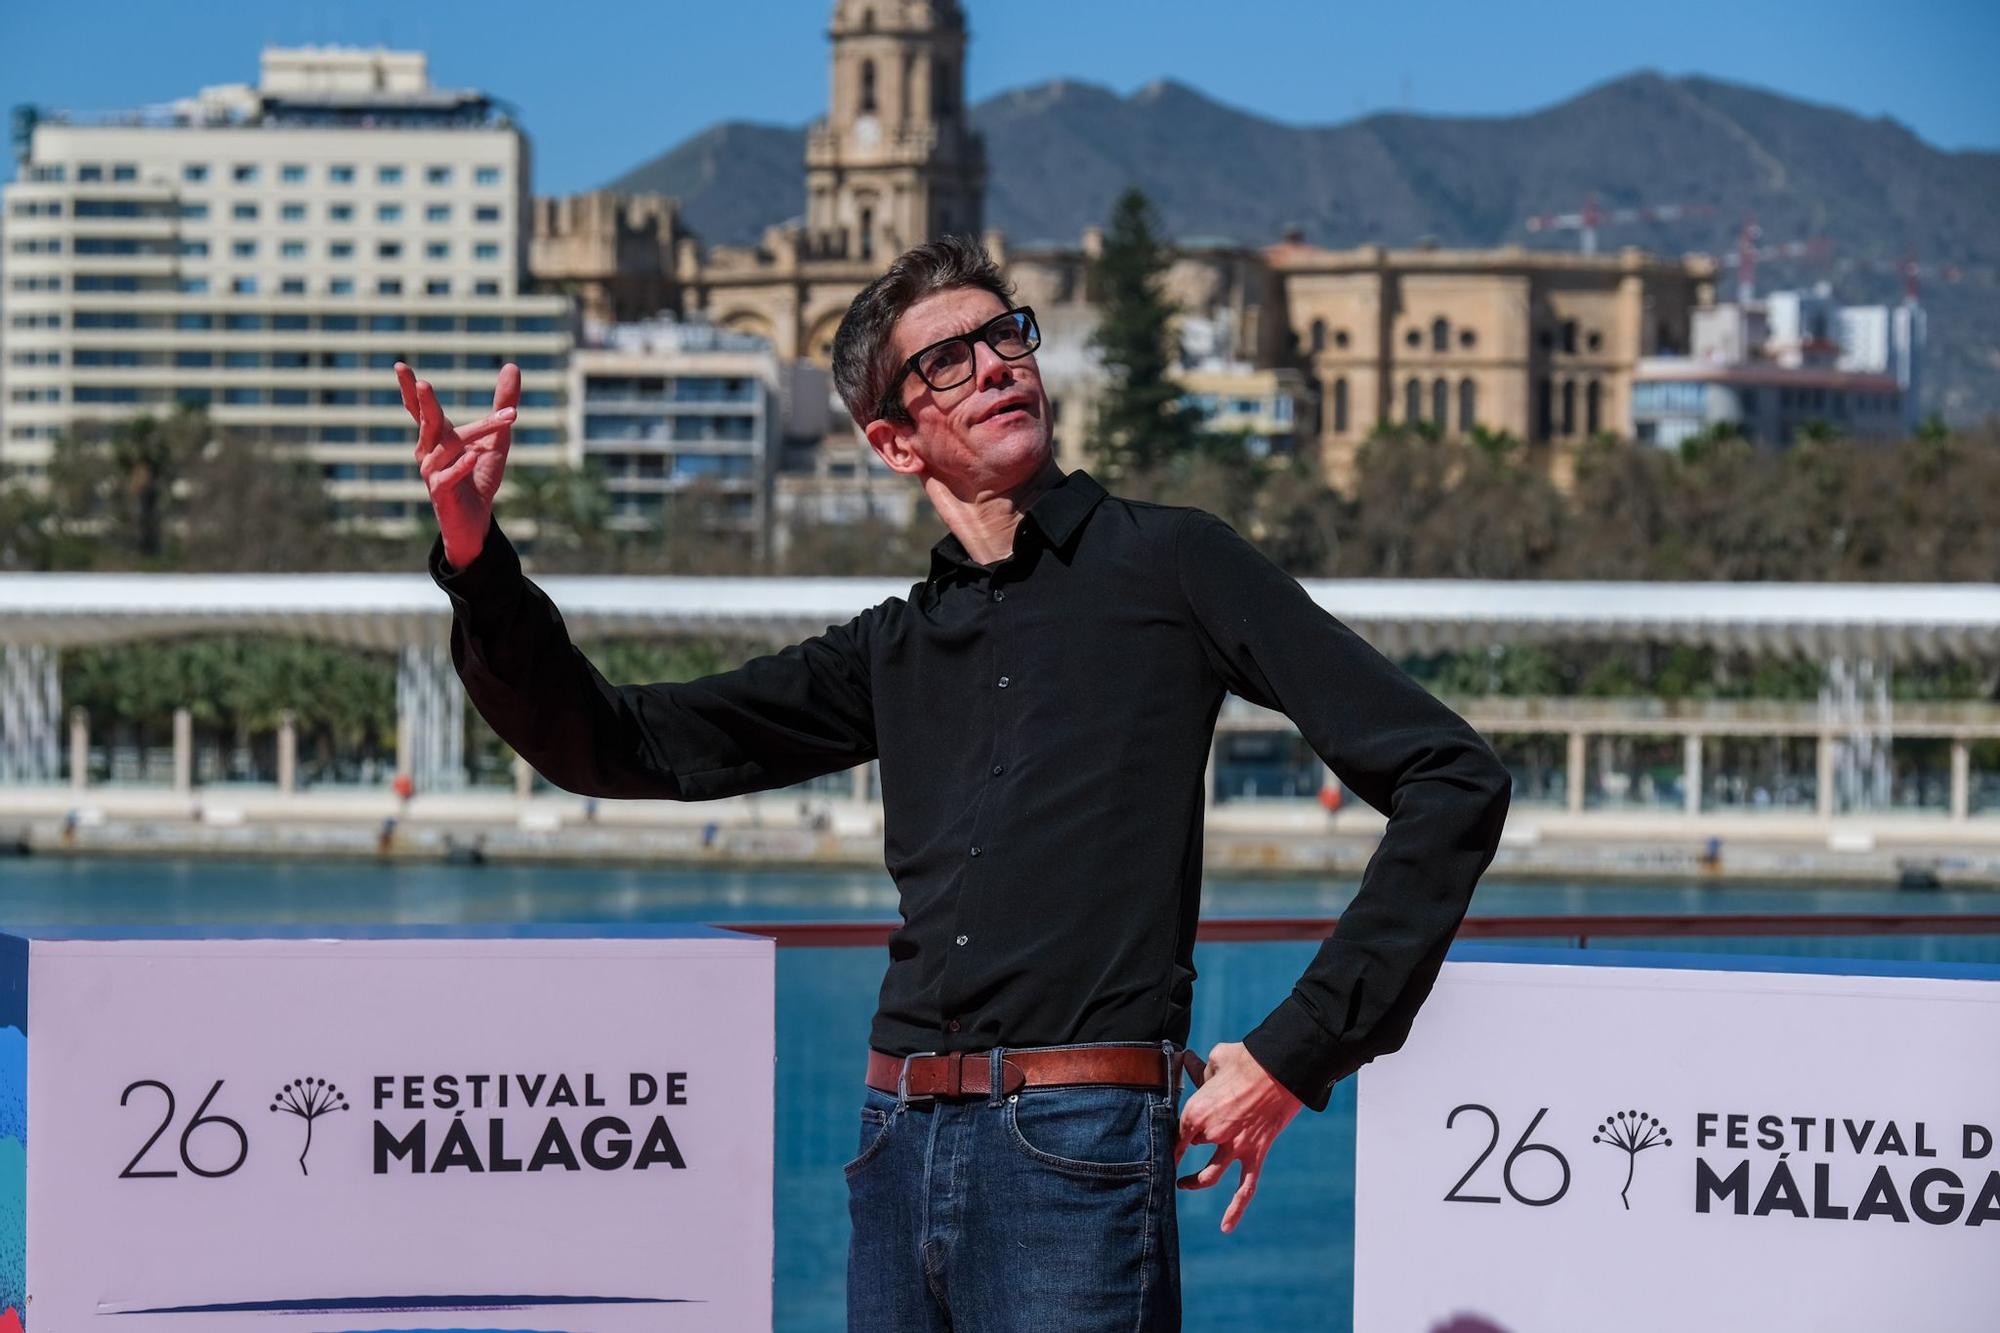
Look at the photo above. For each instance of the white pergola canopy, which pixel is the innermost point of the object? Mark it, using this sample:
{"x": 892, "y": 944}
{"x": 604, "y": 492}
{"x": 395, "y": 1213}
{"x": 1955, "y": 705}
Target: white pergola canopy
{"x": 1820, "y": 621}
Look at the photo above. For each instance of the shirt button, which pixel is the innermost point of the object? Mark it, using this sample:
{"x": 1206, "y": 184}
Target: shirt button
{"x": 999, "y": 596}
{"x": 962, "y": 939}
{"x": 975, "y": 851}
{"x": 1003, "y": 682}
{"x": 998, "y": 769}
{"x": 951, "y": 1026}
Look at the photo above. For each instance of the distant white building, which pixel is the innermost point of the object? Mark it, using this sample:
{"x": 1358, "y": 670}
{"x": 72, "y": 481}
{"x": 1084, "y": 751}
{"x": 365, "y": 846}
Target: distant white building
{"x": 1886, "y": 340}
{"x": 1774, "y": 368}
{"x": 269, "y": 253}
{"x": 660, "y": 406}
{"x": 1264, "y": 405}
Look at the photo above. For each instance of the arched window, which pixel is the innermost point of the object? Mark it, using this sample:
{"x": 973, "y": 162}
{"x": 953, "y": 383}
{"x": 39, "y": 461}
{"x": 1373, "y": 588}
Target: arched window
{"x": 1340, "y": 406}
{"x": 1569, "y": 408}
{"x": 1319, "y": 335}
{"x": 1413, "y": 401}
{"x": 1440, "y": 335}
{"x": 867, "y": 87}
{"x": 1468, "y": 406}
{"x": 1441, "y": 403}
{"x": 1593, "y": 407}
{"x": 1544, "y": 408}
{"x": 867, "y": 233}
{"x": 1569, "y": 335}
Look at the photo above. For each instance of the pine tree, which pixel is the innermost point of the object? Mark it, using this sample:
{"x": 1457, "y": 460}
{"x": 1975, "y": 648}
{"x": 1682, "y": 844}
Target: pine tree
{"x": 1141, "y": 421}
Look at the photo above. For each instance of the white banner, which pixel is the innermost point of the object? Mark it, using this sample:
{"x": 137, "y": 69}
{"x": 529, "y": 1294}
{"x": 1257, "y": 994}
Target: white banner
{"x": 1575, "y": 1149}
{"x": 373, "y": 1134}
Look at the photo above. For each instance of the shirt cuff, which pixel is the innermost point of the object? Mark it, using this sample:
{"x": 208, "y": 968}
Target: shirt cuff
{"x": 1295, "y": 1050}
{"x": 498, "y": 565}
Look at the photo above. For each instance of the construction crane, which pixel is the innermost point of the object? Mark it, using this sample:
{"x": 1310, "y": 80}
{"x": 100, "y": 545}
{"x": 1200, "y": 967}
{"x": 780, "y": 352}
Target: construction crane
{"x": 1592, "y": 217}
{"x": 1749, "y": 254}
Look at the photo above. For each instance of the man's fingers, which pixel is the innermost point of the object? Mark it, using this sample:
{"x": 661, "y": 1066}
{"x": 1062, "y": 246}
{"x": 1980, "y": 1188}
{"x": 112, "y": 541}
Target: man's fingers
{"x": 406, "y": 380}
{"x": 438, "y": 461}
{"x": 1209, "y": 1174}
{"x": 433, "y": 429}
{"x": 456, "y": 471}
{"x": 1245, "y": 1191}
{"x": 1191, "y": 1134}
{"x": 492, "y": 425}
{"x": 507, "y": 389}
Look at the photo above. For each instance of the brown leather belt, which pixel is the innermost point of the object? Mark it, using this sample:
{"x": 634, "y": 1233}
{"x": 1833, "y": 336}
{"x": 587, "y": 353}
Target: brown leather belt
{"x": 969, "y": 1073}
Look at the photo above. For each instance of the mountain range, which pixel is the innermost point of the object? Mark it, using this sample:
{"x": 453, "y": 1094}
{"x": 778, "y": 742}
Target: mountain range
{"x": 1868, "y": 192}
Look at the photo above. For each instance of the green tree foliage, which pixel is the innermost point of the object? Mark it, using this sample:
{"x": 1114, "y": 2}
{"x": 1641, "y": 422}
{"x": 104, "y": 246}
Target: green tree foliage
{"x": 249, "y": 509}
{"x": 562, "y": 517}
{"x": 1141, "y": 421}
{"x": 115, "y": 489}
{"x": 171, "y": 493}
{"x": 238, "y": 686}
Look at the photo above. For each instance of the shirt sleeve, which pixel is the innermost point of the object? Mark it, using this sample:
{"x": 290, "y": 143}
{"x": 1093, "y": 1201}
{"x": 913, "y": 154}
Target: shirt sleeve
{"x": 778, "y": 719}
{"x": 1391, "y": 743}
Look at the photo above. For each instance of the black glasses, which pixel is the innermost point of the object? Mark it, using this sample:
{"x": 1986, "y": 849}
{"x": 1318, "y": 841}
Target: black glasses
{"x": 949, "y": 362}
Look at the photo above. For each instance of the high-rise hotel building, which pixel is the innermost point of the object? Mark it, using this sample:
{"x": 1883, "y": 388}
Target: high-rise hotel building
{"x": 270, "y": 253}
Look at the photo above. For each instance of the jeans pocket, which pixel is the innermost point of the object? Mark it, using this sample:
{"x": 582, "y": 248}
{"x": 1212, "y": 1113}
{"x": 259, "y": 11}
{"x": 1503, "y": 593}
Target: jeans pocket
{"x": 1086, "y": 1131}
{"x": 875, "y": 1126}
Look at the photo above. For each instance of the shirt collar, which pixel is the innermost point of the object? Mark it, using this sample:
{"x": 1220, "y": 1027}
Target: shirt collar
{"x": 1056, "y": 513}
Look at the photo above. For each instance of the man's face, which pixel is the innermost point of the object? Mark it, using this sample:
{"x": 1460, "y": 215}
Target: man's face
{"x": 990, "y": 433}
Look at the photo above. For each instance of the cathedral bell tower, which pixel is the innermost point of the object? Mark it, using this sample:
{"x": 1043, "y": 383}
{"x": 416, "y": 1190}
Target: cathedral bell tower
{"x": 895, "y": 162}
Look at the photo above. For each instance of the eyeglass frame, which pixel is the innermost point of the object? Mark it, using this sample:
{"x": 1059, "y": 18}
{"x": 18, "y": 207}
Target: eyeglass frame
{"x": 971, "y": 338}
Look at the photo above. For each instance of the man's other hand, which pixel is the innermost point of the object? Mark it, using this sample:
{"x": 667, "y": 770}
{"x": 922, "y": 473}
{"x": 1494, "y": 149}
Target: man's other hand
{"x": 461, "y": 466}
{"x": 1241, "y": 1110}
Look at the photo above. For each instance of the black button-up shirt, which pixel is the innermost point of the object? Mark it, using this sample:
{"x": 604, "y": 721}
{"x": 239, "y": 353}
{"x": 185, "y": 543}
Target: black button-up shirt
{"x": 1043, "y": 727}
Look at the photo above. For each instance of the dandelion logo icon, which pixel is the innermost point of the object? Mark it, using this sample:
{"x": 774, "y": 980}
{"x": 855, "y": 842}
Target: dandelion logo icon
{"x": 309, "y": 1099}
{"x": 1631, "y": 1132}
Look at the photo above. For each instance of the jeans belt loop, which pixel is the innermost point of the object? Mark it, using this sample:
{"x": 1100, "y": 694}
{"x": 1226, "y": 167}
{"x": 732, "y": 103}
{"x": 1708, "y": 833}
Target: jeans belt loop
{"x": 994, "y": 1092}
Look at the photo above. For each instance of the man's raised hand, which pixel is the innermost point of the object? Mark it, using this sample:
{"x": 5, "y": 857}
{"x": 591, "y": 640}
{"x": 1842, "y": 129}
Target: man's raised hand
{"x": 461, "y": 466}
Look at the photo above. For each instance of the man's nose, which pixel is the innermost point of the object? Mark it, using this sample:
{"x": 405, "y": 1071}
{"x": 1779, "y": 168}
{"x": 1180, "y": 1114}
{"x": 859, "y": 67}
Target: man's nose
{"x": 989, "y": 367}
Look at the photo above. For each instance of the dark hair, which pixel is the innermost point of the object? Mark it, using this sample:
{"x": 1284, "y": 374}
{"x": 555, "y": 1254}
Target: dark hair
{"x": 863, "y": 347}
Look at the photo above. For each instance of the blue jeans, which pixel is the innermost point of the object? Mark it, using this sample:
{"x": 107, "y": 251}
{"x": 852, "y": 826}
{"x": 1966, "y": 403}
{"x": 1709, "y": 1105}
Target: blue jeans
{"x": 1041, "y": 1210}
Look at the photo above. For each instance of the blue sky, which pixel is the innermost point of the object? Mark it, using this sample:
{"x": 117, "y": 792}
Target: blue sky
{"x": 603, "y": 86}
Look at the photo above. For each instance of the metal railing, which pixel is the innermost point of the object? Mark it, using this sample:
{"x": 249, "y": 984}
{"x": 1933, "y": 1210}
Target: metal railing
{"x": 1581, "y": 928}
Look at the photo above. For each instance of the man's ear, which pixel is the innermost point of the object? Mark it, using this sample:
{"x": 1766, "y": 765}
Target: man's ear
{"x": 892, "y": 442}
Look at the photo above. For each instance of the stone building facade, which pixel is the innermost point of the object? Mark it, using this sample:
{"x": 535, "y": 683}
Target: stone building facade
{"x": 616, "y": 255}
{"x": 893, "y": 163}
{"x": 1540, "y": 345}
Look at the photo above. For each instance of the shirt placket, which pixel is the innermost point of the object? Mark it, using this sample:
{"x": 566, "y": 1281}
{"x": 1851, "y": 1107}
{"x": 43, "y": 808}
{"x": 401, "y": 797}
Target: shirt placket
{"x": 1003, "y": 679}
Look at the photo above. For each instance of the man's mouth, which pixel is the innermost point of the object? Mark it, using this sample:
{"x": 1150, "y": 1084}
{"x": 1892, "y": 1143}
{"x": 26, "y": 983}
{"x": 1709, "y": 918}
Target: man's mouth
{"x": 1015, "y": 407}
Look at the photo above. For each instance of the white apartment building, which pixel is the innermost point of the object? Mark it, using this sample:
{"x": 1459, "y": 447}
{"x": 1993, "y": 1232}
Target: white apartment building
{"x": 270, "y": 252}
{"x": 1778, "y": 367}
{"x": 659, "y": 406}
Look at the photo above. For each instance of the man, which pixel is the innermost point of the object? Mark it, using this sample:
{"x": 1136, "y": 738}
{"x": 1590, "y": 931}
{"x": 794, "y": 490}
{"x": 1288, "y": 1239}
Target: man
{"x": 1042, "y": 706}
